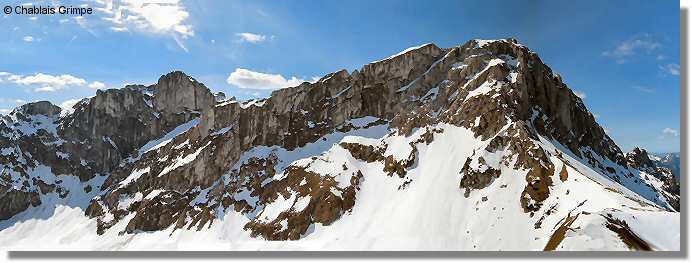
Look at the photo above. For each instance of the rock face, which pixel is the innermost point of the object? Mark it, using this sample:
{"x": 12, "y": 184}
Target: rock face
{"x": 174, "y": 155}
{"x": 177, "y": 95}
{"x": 115, "y": 123}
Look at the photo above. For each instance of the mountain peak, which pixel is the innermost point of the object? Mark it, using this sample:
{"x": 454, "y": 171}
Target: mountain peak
{"x": 412, "y": 52}
{"x": 639, "y": 158}
{"x": 479, "y": 43}
{"x": 176, "y": 92}
{"x": 176, "y": 75}
{"x": 45, "y": 108}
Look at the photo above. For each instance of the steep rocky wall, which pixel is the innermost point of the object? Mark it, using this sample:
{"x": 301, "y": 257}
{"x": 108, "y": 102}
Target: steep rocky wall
{"x": 117, "y": 122}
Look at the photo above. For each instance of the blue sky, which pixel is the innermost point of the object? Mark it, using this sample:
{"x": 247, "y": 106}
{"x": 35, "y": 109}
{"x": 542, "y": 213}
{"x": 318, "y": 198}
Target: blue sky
{"x": 621, "y": 56}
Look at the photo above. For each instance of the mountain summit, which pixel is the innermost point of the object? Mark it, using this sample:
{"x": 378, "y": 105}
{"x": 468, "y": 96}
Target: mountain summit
{"x": 474, "y": 147}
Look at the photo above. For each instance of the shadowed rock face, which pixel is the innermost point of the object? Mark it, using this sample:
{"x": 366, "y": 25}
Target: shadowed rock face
{"x": 115, "y": 123}
{"x": 108, "y": 127}
{"x": 14, "y": 201}
{"x": 500, "y": 90}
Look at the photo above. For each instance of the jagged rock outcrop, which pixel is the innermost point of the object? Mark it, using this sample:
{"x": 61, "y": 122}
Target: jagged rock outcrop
{"x": 640, "y": 159}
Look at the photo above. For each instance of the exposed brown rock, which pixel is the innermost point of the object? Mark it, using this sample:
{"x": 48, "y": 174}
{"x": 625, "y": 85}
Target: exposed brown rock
{"x": 475, "y": 179}
{"x": 537, "y": 189}
{"x": 324, "y": 206}
{"x": 158, "y": 213}
{"x": 559, "y": 234}
{"x": 367, "y": 153}
{"x": 628, "y": 237}
{"x": 94, "y": 209}
{"x": 563, "y": 173}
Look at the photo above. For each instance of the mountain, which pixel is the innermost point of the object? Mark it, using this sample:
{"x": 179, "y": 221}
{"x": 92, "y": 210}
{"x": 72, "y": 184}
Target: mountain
{"x": 474, "y": 147}
{"x": 667, "y": 160}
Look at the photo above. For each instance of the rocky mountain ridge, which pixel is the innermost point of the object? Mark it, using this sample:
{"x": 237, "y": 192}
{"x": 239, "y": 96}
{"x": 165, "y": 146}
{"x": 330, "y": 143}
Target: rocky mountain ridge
{"x": 667, "y": 160}
{"x": 171, "y": 156}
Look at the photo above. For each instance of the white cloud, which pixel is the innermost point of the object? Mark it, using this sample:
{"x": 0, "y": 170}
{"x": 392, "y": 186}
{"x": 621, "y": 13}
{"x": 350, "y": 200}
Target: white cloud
{"x": 81, "y": 21}
{"x": 28, "y": 39}
{"x": 48, "y": 80}
{"x": 672, "y": 69}
{"x": 13, "y": 77}
{"x": 119, "y": 29}
{"x": 670, "y": 131}
{"x": 580, "y": 94}
{"x": 251, "y": 38}
{"x": 247, "y": 79}
{"x": 42, "y": 82}
{"x": 633, "y": 46}
{"x": 97, "y": 85}
{"x": 67, "y": 105}
{"x": 14, "y": 101}
{"x": 46, "y": 89}
{"x": 166, "y": 17}
{"x": 644, "y": 89}
{"x": 5, "y": 111}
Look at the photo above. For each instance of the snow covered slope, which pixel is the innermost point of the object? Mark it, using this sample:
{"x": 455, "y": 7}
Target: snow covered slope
{"x": 476, "y": 147}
